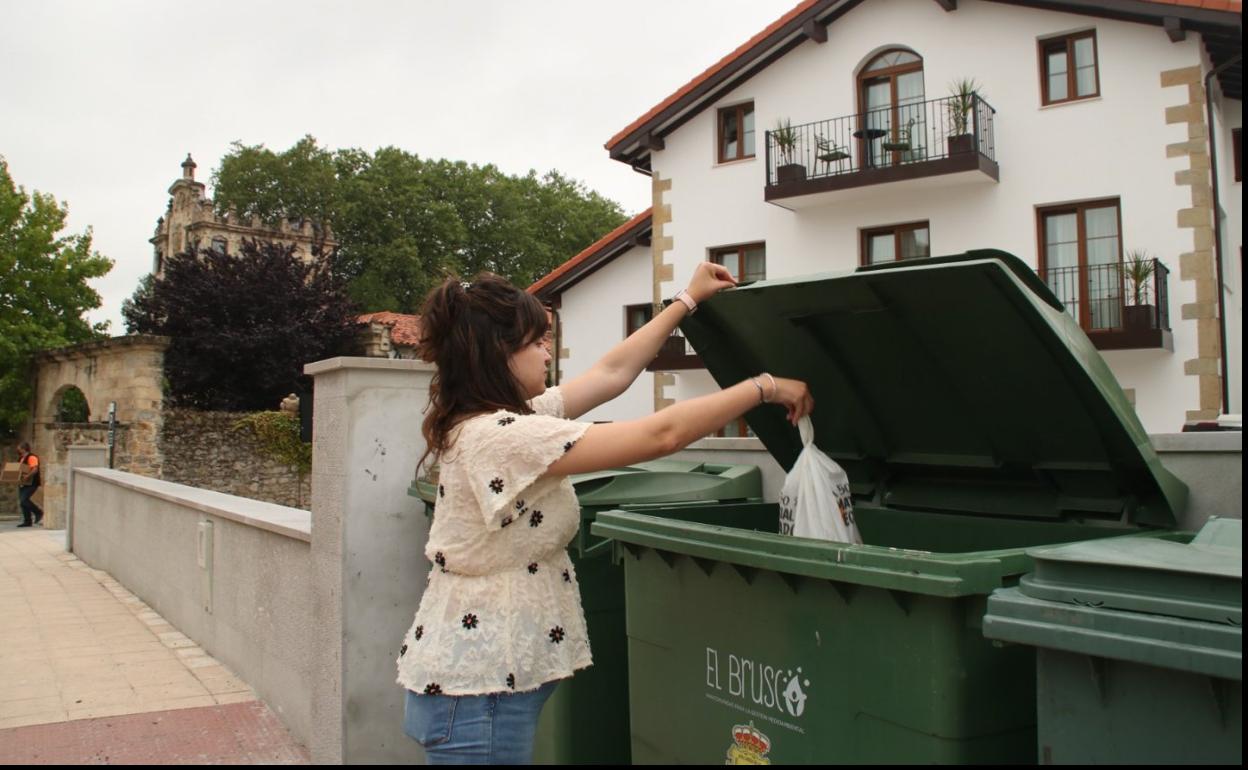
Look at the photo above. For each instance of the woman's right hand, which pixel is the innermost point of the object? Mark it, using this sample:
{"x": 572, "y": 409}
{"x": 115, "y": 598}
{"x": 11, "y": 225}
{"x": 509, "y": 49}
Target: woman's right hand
{"x": 793, "y": 395}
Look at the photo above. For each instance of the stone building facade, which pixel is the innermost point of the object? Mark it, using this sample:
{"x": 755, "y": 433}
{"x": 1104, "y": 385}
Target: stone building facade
{"x": 191, "y": 222}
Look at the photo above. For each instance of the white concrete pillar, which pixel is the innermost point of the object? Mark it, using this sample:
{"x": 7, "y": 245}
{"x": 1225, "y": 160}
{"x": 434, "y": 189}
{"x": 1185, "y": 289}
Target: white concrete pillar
{"x": 368, "y": 539}
{"x": 85, "y": 456}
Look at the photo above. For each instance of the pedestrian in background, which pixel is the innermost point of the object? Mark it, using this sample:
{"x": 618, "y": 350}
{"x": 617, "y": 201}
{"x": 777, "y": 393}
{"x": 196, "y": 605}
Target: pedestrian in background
{"x": 28, "y": 483}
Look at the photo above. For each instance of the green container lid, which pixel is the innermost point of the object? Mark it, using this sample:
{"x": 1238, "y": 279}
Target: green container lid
{"x": 955, "y": 384}
{"x": 1200, "y": 580}
{"x": 1158, "y": 603}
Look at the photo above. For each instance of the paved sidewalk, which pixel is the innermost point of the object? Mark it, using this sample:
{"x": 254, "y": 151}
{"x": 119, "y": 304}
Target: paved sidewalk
{"x": 78, "y": 652}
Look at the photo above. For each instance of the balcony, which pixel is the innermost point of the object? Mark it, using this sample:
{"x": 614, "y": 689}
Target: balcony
{"x": 674, "y": 356}
{"x": 942, "y": 141}
{"x": 1120, "y": 305}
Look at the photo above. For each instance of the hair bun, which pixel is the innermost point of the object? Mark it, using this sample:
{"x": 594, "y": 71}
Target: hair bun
{"x": 442, "y": 310}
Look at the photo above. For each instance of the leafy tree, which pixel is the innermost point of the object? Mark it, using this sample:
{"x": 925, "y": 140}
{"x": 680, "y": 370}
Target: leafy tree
{"x": 43, "y": 290}
{"x": 243, "y": 325}
{"x": 402, "y": 221}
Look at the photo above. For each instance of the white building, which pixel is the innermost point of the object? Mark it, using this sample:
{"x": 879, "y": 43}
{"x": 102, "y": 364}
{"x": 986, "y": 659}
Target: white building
{"x": 1087, "y": 139}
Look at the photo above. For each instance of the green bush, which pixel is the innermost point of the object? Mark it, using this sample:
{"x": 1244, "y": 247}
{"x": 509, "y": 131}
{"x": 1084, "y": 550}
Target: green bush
{"x": 278, "y": 436}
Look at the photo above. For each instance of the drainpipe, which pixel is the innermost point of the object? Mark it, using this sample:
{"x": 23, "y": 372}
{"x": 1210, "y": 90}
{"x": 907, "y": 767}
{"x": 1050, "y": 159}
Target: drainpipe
{"x": 1217, "y": 225}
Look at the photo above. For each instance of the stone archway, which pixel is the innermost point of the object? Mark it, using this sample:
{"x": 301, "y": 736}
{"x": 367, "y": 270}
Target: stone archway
{"x": 127, "y": 371}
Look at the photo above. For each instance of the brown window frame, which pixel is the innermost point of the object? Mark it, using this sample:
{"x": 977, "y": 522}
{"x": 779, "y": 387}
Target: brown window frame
{"x": 1239, "y": 163}
{"x": 1045, "y": 45}
{"x": 891, "y": 74}
{"x": 740, "y": 109}
{"x": 864, "y": 240}
{"x": 1078, "y": 208}
{"x": 628, "y": 316}
{"x": 716, "y": 255}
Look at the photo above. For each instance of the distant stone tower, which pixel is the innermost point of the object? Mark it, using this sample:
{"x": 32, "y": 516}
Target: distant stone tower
{"x": 190, "y": 222}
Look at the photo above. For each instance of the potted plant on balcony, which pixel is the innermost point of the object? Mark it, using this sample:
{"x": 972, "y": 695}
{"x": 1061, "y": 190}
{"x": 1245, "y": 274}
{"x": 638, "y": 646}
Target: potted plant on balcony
{"x": 1139, "y": 270}
{"x": 785, "y": 137}
{"x": 962, "y": 100}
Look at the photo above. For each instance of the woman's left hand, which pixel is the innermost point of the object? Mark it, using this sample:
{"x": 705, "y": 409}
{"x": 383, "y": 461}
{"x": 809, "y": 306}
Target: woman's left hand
{"x": 709, "y": 278}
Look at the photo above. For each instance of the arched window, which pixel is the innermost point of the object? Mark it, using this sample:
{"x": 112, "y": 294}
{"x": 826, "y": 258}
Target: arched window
{"x": 890, "y": 98}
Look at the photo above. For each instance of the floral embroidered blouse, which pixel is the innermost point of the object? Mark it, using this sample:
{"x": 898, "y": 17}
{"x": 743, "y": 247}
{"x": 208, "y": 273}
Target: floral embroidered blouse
{"x": 502, "y": 610}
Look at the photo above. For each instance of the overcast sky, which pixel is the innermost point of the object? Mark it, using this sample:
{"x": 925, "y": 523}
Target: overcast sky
{"x": 101, "y": 100}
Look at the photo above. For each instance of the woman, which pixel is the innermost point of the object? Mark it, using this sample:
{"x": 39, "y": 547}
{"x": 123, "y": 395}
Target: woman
{"x": 500, "y": 622}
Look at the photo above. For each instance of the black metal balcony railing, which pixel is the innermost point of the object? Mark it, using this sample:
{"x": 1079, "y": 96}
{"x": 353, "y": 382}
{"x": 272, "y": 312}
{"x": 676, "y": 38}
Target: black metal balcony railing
{"x": 675, "y": 355}
{"x": 1114, "y": 297}
{"x": 911, "y": 133}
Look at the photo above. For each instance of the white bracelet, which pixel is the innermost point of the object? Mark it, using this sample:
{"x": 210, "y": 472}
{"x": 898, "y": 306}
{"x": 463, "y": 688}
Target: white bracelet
{"x": 688, "y": 302}
{"x": 761, "y": 398}
{"x": 774, "y": 386}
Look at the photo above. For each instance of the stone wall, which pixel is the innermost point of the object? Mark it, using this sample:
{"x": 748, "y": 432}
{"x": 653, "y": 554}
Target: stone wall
{"x": 126, "y": 371}
{"x": 8, "y": 492}
{"x": 203, "y": 449}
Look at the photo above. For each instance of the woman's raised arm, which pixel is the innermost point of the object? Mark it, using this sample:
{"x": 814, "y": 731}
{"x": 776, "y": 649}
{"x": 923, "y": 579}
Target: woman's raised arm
{"x": 616, "y": 370}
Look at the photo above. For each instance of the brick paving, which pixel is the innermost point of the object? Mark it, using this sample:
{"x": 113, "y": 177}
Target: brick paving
{"x": 91, "y": 674}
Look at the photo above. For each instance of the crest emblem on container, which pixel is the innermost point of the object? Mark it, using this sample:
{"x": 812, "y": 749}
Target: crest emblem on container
{"x": 749, "y": 746}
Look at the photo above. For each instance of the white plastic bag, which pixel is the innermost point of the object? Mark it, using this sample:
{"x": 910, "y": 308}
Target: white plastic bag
{"x": 815, "y": 500}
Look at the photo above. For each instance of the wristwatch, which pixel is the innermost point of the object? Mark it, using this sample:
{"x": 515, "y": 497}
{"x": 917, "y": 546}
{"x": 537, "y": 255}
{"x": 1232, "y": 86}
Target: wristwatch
{"x": 683, "y": 296}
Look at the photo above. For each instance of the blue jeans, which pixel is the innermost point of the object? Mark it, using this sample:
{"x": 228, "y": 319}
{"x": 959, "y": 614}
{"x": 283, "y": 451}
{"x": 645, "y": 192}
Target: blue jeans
{"x": 494, "y": 729}
{"x": 29, "y": 509}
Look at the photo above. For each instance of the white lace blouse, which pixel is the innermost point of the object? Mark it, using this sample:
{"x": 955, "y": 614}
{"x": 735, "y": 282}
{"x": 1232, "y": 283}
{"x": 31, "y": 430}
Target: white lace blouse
{"x": 502, "y": 610}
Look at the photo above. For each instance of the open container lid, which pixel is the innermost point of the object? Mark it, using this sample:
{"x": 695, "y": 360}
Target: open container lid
{"x": 954, "y": 384}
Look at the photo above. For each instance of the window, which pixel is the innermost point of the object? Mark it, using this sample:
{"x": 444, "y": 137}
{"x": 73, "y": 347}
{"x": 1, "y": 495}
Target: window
{"x": 888, "y": 244}
{"x": 747, "y": 262}
{"x": 736, "y": 132}
{"x": 637, "y": 316}
{"x": 1239, "y": 163}
{"x": 1081, "y": 260}
{"x": 890, "y": 97}
{"x": 1068, "y": 68}
{"x": 218, "y": 245}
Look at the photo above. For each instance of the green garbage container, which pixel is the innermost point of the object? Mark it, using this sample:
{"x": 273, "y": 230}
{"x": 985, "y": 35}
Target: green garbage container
{"x": 975, "y": 420}
{"x": 586, "y": 720}
{"x": 1139, "y": 648}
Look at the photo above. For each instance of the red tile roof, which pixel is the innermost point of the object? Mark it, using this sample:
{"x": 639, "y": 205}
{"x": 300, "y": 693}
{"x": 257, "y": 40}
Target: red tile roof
{"x": 404, "y": 329}
{"x": 588, "y": 252}
{"x": 1235, "y": 6}
{"x": 714, "y": 68}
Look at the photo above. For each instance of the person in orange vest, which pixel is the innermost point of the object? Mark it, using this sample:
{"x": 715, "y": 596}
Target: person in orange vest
{"x": 28, "y": 483}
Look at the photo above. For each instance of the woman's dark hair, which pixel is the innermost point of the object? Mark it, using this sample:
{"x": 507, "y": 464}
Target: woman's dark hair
{"x": 470, "y": 332}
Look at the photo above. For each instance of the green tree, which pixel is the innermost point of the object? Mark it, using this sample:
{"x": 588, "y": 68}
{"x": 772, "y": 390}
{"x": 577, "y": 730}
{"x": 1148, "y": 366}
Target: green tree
{"x": 43, "y": 289}
{"x": 402, "y": 222}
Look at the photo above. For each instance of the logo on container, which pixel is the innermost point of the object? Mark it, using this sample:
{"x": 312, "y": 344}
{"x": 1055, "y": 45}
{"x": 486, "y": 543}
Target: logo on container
{"x": 777, "y": 688}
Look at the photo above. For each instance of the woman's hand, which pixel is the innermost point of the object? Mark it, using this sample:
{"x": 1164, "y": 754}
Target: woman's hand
{"x": 709, "y": 278}
{"x": 793, "y": 395}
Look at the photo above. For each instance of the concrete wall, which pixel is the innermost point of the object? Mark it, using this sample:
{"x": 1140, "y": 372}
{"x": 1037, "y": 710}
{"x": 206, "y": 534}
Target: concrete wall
{"x": 1115, "y": 146}
{"x": 1211, "y": 464}
{"x": 369, "y": 568}
{"x": 250, "y": 606}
